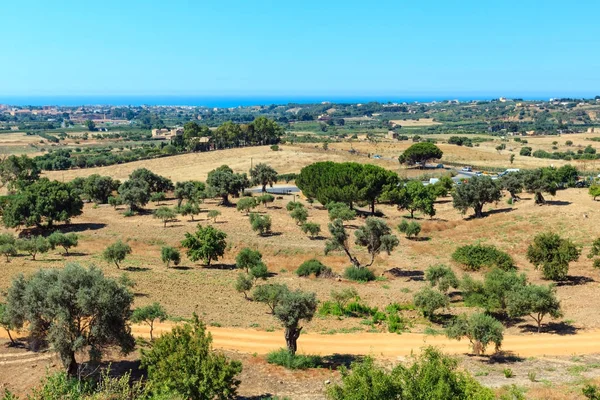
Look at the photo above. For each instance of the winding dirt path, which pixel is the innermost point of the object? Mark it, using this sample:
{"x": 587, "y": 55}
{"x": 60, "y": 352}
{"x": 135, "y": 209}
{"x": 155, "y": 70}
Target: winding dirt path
{"x": 388, "y": 344}
{"x": 383, "y": 344}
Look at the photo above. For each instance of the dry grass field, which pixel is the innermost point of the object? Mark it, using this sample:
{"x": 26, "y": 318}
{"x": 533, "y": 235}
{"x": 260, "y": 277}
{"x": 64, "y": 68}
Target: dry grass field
{"x": 415, "y": 122}
{"x": 209, "y": 291}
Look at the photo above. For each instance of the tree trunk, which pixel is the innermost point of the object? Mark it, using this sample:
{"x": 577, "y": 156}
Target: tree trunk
{"x": 291, "y": 338}
{"x": 478, "y": 210}
{"x": 539, "y": 198}
{"x": 225, "y": 199}
{"x": 12, "y": 341}
{"x": 70, "y": 363}
{"x": 151, "y": 329}
{"x": 373, "y": 207}
{"x": 264, "y": 188}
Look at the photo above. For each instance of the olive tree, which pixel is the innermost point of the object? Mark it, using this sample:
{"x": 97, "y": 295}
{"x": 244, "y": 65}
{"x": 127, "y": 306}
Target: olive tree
{"x": 292, "y": 308}
{"x": 428, "y": 301}
{"x": 441, "y": 276}
{"x": 66, "y": 241}
{"x": 475, "y": 193}
{"x": 535, "y": 301}
{"x": 165, "y": 214}
{"x": 375, "y": 236}
{"x": 135, "y": 193}
{"x": 552, "y": 254}
{"x": 116, "y": 253}
{"x": 7, "y": 245}
{"x": 33, "y": 245}
{"x": 481, "y": 330}
{"x": 270, "y": 294}
{"x": 73, "y": 308}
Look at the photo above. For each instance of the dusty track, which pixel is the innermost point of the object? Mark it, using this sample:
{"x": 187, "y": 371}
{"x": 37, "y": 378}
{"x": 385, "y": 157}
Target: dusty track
{"x": 387, "y": 344}
{"x": 384, "y": 344}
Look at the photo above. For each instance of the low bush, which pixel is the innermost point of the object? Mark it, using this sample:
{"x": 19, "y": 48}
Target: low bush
{"x": 288, "y": 360}
{"x": 313, "y": 267}
{"x": 474, "y": 257}
{"x": 359, "y": 274}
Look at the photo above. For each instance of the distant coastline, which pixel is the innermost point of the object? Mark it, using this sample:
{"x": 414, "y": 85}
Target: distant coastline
{"x": 235, "y": 101}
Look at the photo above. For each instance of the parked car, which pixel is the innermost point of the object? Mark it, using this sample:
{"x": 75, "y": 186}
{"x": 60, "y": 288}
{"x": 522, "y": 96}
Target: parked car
{"x": 467, "y": 169}
{"x": 377, "y": 156}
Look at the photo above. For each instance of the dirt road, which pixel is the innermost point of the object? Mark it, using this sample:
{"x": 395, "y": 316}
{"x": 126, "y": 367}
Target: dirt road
{"x": 388, "y": 344}
{"x": 384, "y": 344}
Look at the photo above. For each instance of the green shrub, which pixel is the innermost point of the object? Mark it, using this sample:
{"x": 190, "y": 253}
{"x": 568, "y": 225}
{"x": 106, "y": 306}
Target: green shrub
{"x": 474, "y": 257}
{"x": 312, "y": 267}
{"x": 431, "y": 376}
{"x": 508, "y": 373}
{"x": 428, "y": 301}
{"x": 311, "y": 229}
{"x": 288, "y": 360}
{"x": 359, "y": 274}
{"x": 410, "y": 229}
{"x": 260, "y": 223}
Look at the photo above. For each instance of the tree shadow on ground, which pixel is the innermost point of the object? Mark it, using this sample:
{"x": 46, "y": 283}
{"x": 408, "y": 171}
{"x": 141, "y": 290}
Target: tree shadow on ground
{"x": 140, "y": 294}
{"x": 220, "y": 266}
{"x": 136, "y": 269}
{"x": 491, "y": 212}
{"x": 181, "y": 268}
{"x": 74, "y": 254}
{"x": 419, "y": 239}
{"x": 318, "y": 237}
{"x": 79, "y": 227}
{"x": 412, "y": 275}
{"x": 443, "y": 201}
{"x": 572, "y": 280}
{"x": 504, "y": 357}
{"x": 335, "y": 361}
{"x": 558, "y": 328}
{"x": 558, "y": 203}
{"x": 271, "y": 234}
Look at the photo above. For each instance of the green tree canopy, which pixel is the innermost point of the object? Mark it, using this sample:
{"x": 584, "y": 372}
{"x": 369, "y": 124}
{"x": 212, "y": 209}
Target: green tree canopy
{"x": 17, "y": 172}
{"x": 73, "y": 309}
{"x": 116, "y": 252}
{"x": 206, "y": 244}
{"x": 375, "y": 235}
{"x": 292, "y": 308}
{"x": 43, "y": 201}
{"x": 263, "y": 175}
{"x": 135, "y": 193}
{"x": 148, "y": 315}
{"x": 552, "y": 254}
{"x": 475, "y": 193}
{"x": 420, "y": 153}
{"x": 535, "y": 301}
{"x": 224, "y": 182}
{"x": 99, "y": 188}
{"x": 481, "y": 330}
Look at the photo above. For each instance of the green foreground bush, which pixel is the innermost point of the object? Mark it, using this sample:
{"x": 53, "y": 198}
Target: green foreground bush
{"x": 432, "y": 376}
{"x": 288, "y": 360}
{"x": 359, "y": 274}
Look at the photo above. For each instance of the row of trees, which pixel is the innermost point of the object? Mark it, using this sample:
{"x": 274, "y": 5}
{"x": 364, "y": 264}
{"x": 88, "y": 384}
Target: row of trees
{"x": 262, "y": 131}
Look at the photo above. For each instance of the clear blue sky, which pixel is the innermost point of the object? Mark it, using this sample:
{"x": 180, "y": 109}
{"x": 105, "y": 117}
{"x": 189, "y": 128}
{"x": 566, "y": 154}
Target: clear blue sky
{"x": 204, "y": 47}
